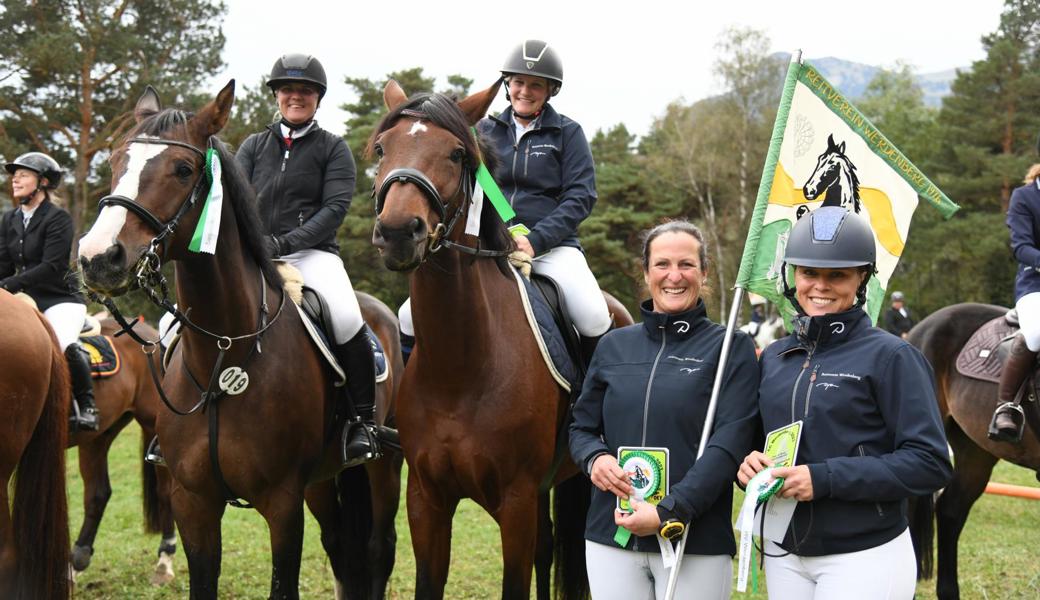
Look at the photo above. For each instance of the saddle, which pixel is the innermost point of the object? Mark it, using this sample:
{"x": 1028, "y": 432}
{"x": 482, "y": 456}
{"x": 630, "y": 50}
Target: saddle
{"x": 314, "y": 306}
{"x": 983, "y": 356}
{"x": 104, "y": 358}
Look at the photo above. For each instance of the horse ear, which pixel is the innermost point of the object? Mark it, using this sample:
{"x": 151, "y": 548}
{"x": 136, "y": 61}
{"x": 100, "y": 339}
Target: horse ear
{"x": 476, "y": 106}
{"x": 214, "y": 116}
{"x": 393, "y": 95}
{"x": 841, "y": 148}
{"x": 830, "y": 142}
{"x": 147, "y": 105}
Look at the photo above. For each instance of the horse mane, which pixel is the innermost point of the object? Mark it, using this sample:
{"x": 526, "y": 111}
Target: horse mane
{"x": 237, "y": 189}
{"x": 444, "y": 111}
{"x": 852, "y": 175}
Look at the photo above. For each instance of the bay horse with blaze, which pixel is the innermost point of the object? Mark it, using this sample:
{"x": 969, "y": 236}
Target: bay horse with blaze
{"x": 480, "y": 415}
{"x": 273, "y": 443}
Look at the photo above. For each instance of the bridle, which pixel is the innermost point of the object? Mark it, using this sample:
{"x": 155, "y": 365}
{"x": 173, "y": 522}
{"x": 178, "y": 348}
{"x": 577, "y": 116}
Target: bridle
{"x": 439, "y": 237}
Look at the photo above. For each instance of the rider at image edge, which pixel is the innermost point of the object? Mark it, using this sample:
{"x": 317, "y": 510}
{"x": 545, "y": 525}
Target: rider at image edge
{"x": 871, "y": 434}
{"x": 547, "y": 174}
{"x": 35, "y": 245}
{"x": 1023, "y": 219}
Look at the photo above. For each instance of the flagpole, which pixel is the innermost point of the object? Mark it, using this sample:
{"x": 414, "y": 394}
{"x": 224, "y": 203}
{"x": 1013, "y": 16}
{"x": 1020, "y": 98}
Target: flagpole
{"x": 738, "y": 293}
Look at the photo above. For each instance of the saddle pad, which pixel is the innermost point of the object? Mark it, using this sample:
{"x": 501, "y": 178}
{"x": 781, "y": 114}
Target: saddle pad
{"x": 104, "y": 359}
{"x": 322, "y": 343}
{"x": 980, "y": 358}
{"x": 550, "y": 341}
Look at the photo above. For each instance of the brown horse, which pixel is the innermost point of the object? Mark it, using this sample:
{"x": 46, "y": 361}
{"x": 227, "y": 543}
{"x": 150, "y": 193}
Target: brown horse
{"x": 966, "y": 406}
{"x": 480, "y": 416}
{"x": 125, "y": 396}
{"x": 34, "y": 401}
{"x": 271, "y": 442}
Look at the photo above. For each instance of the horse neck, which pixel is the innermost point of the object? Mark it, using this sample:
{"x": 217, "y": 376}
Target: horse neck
{"x": 222, "y": 290}
{"x": 848, "y": 186}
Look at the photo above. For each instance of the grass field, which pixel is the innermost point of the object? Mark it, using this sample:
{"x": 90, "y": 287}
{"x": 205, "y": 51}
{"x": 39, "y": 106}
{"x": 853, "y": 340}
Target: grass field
{"x": 998, "y": 554}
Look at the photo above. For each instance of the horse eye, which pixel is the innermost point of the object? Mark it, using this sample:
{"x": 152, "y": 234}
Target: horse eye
{"x": 457, "y": 155}
{"x": 378, "y": 150}
{"x": 183, "y": 171}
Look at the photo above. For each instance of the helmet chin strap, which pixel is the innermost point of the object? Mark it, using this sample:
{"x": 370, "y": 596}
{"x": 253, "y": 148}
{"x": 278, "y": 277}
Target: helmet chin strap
{"x": 25, "y": 200}
{"x": 861, "y": 293}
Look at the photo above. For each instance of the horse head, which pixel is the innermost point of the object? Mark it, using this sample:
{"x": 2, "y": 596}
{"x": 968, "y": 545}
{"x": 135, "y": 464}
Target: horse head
{"x": 828, "y": 167}
{"x": 428, "y": 156}
{"x": 158, "y": 180}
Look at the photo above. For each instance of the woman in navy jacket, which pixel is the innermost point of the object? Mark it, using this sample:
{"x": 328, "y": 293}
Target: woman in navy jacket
{"x": 649, "y": 385}
{"x": 1023, "y": 219}
{"x": 871, "y": 433}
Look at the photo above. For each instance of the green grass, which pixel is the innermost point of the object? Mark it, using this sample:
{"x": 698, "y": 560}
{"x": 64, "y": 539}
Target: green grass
{"x": 997, "y": 556}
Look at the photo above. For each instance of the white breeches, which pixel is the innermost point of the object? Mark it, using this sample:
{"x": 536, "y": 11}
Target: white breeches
{"x": 619, "y": 574}
{"x": 1028, "y": 308}
{"x": 324, "y": 272}
{"x": 66, "y": 320}
{"x": 586, "y": 306}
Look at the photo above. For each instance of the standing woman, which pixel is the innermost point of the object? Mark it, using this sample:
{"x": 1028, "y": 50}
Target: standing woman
{"x": 1023, "y": 219}
{"x": 649, "y": 386}
{"x": 547, "y": 174}
{"x": 871, "y": 436}
{"x": 304, "y": 179}
{"x": 35, "y": 245}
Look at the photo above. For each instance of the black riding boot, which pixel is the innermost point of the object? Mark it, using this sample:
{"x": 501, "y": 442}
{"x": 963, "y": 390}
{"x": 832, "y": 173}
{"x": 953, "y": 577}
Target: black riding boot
{"x": 1008, "y": 419}
{"x": 588, "y": 348}
{"x": 84, "y": 416}
{"x": 407, "y": 345}
{"x": 360, "y": 443}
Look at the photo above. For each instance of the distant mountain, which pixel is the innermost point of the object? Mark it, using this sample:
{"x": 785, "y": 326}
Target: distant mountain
{"x": 851, "y": 78}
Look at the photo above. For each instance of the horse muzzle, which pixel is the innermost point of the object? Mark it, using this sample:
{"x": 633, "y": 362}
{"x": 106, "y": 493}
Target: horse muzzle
{"x": 107, "y": 273}
{"x": 402, "y": 247}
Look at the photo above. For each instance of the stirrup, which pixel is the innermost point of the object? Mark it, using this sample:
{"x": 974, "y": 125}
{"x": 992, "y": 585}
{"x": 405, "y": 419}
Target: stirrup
{"x": 154, "y": 454}
{"x": 1018, "y": 417}
{"x": 371, "y": 453}
{"x": 85, "y": 420}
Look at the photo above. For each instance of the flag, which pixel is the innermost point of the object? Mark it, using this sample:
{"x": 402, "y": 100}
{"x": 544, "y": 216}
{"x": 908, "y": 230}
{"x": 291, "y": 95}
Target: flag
{"x": 823, "y": 151}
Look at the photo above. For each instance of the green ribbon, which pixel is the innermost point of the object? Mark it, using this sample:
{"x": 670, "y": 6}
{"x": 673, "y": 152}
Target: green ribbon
{"x": 490, "y": 187}
{"x": 621, "y": 536}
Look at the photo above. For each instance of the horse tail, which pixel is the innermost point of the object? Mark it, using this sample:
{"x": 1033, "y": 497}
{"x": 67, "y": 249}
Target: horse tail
{"x": 39, "y": 513}
{"x": 149, "y": 490}
{"x": 571, "y": 500}
{"x": 922, "y": 533}
{"x": 355, "y": 501}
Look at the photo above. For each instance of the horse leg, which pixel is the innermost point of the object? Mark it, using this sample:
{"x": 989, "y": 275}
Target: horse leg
{"x": 198, "y": 521}
{"x": 972, "y": 469}
{"x": 518, "y": 524}
{"x": 384, "y": 477}
{"x": 163, "y": 572}
{"x": 97, "y": 490}
{"x": 283, "y": 512}
{"x": 323, "y": 501}
{"x": 429, "y": 519}
{"x": 543, "y": 557}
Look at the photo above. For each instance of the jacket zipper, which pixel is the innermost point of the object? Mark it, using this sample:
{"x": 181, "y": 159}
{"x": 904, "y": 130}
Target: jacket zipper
{"x": 877, "y": 505}
{"x": 808, "y": 393}
{"x": 650, "y": 383}
{"x": 527, "y": 156}
{"x": 300, "y": 218}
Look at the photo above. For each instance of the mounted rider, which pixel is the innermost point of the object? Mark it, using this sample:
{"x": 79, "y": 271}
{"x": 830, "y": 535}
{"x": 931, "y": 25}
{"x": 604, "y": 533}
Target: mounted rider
{"x": 547, "y": 173}
{"x": 304, "y": 180}
{"x": 1023, "y": 220}
{"x": 35, "y": 244}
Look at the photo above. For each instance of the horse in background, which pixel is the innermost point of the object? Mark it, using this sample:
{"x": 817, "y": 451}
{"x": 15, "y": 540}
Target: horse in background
{"x": 273, "y": 443}
{"x": 836, "y": 175}
{"x": 127, "y": 395}
{"x": 966, "y": 406}
{"x": 35, "y": 392}
{"x": 479, "y": 414}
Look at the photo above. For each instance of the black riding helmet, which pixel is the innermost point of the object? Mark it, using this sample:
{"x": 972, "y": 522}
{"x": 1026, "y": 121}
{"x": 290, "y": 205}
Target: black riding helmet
{"x": 830, "y": 237}
{"x": 535, "y": 57}
{"x": 39, "y": 163}
{"x": 298, "y": 67}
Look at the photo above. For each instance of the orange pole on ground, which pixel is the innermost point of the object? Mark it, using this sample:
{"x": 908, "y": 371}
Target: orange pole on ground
{"x": 1015, "y": 491}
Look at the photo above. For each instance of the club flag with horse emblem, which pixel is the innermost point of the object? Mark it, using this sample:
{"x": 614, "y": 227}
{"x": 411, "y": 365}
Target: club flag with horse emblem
{"x": 824, "y": 152}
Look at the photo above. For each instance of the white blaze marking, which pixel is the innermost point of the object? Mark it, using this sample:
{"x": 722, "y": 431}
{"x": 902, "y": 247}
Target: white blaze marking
{"x": 110, "y": 221}
{"x": 417, "y": 127}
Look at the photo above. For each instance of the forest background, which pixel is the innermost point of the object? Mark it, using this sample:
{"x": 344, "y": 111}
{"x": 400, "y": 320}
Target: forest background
{"x": 70, "y": 72}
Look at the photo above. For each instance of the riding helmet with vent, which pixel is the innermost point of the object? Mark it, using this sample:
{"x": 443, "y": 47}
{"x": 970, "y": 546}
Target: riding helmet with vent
{"x": 298, "y": 68}
{"x": 535, "y": 57}
{"x": 39, "y": 163}
{"x": 831, "y": 237}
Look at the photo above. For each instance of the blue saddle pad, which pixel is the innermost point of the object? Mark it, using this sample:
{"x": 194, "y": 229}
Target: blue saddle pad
{"x": 377, "y": 348}
{"x": 551, "y": 334}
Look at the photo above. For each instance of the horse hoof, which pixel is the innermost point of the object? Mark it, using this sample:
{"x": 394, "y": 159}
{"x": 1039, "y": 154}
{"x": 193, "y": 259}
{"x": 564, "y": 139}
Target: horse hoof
{"x": 81, "y": 557}
{"x": 163, "y": 570}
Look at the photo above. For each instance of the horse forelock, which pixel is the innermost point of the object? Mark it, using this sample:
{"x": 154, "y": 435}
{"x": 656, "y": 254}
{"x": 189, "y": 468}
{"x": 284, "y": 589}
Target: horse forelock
{"x": 442, "y": 111}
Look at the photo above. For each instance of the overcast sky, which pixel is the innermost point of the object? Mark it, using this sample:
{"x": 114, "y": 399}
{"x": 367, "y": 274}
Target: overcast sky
{"x": 623, "y": 61}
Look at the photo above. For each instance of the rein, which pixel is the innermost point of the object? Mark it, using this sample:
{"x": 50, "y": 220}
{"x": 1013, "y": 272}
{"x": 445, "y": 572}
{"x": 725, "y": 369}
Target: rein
{"x": 439, "y": 237}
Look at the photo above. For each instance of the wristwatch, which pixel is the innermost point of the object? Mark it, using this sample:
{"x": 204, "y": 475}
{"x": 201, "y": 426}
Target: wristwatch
{"x": 672, "y": 529}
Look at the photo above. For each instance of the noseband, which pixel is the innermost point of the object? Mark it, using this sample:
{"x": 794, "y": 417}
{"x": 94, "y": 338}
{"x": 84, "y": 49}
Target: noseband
{"x": 439, "y": 237}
